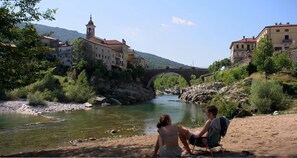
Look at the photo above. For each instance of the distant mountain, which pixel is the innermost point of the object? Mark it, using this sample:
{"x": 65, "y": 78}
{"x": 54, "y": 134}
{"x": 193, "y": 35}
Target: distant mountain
{"x": 57, "y": 32}
{"x": 156, "y": 62}
{"x": 153, "y": 61}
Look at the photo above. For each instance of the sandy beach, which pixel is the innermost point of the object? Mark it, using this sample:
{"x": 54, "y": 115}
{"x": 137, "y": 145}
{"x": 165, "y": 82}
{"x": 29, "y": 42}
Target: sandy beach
{"x": 264, "y": 135}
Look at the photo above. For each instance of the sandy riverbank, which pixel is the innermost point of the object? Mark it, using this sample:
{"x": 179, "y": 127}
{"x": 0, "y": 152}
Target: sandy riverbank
{"x": 259, "y": 135}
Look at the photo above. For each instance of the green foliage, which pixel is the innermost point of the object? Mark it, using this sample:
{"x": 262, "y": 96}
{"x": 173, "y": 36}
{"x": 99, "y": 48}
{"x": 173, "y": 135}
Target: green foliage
{"x": 268, "y": 96}
{"x": 225, "y": 107}
{"x": 21, "y": 50}
{"x": 282, "y": 60}
{"x": 231, "y": 75}
{"x": 156, "y": 62}
{"x": 262, "y": 56}
{"x": 294, "y": 69}
{"x": 290, "y": 88}
{"x": 17, "y": 93}
{"x": 215, "y": 66}
{"x": 80, "y": 91}
{"x": 164, "y": 81}
{"x": 48, "y": 85}
{"x": 78, "y": 47}
{"x": 36, "y": 98}
{"x": 196, "y": 81}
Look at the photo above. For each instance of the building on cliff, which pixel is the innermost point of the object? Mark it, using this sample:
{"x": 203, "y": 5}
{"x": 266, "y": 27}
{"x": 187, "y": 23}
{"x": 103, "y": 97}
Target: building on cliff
{"x": 61, "y": 50}
{"x": 113, "y": 53}
{"x": 135, "y": 59}
{"x": 242, "y": 49}
{"x": 283, "y": 37}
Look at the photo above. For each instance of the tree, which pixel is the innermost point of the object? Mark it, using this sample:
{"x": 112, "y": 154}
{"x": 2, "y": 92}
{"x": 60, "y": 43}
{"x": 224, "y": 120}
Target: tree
{"x": 262, "y": 56}
{"x": 20, "y": 49}
{"x": 294, "y": 69}
{"x": 215, "y": 66}
{"x": 282, "y": 61}
{"x": 78, "y": 47}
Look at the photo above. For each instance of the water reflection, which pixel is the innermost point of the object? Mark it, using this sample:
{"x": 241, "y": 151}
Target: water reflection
{"x": 21, "y": 133}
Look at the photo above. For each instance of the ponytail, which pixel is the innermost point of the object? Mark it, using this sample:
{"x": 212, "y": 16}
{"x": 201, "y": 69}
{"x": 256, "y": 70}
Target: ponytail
{"x": 164, "y": 119}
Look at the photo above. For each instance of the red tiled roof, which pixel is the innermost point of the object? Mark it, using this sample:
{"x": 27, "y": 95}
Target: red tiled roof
{"x": 112, "y": 42}
{"x": 244, "y": 40}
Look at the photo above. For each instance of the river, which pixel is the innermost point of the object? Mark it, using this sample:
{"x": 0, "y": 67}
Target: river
{"x": 23, "y": 133}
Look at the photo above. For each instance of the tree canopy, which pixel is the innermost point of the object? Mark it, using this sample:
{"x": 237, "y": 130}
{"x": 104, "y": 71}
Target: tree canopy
{"x": 262, "y": 56}
{"x": 218, "y": 64}
{"x": 21, "y": 60}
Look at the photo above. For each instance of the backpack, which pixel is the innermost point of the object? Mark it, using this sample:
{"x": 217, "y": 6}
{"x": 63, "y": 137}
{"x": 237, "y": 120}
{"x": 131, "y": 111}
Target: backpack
{"x": 224, "y": 125}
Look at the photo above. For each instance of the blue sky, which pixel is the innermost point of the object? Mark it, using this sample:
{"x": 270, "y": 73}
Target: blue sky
{"x": 192, "y": 32}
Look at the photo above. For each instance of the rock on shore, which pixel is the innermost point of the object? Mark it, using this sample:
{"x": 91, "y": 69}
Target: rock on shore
{"x": 22, "y": 107}
{"x": 203, "y": 93}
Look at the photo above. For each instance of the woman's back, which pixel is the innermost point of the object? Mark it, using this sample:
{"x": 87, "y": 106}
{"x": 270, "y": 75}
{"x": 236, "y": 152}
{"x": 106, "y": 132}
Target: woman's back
{"x": 169, "y": 135}
{"x": 169, "y": 141}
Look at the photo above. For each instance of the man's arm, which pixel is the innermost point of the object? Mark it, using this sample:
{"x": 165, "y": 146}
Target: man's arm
{"x": 205, "y": 128}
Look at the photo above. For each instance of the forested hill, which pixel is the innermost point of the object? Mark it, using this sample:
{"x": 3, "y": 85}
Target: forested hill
{"x": 153, "y": 61}
{"x": 156, "y": 62}
{"x": 57, "y": 32}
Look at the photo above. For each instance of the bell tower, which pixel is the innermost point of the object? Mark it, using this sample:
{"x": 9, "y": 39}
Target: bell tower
{"x": 90, "y": 28}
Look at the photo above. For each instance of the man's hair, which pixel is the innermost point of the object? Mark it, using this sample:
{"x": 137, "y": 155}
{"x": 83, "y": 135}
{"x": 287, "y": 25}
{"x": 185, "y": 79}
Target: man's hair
{"x": 212, "y": 109}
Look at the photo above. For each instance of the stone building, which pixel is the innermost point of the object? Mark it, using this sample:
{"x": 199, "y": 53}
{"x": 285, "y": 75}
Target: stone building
{"x": 113, "y": 53}
{"x": 283, "y": 36}
{"x": 135, "y": 59}
{"x": 242, "y": 49}
{"x": 62, "y": 51}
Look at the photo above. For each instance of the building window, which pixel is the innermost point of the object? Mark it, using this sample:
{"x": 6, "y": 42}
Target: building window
{"x": 277, "y": 30}
{"x": 237, "y": 46}
{"x": 102, "y": 50}
{"x": 286, "y": 30}
{"x": 242, "y": 46}
{"x": 248, "y": 47}
{"x": 286, "y": 37}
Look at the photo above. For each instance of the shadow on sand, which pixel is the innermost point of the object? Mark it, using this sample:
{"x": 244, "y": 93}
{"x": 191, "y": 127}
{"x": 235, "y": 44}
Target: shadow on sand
{"x": 125, "y": 151}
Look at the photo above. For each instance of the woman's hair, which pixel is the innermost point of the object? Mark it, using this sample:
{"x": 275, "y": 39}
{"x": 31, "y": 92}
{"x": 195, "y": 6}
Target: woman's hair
{"x": 212, "y": 109}
{"x": 164, "y": 119}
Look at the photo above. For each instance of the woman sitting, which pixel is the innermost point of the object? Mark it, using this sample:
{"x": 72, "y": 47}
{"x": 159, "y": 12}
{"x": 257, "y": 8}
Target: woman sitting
{"x": 167, "y": 142}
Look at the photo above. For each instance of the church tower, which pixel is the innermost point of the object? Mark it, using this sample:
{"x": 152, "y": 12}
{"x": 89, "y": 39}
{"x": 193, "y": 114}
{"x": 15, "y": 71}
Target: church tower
{"x": 90, "y": 28}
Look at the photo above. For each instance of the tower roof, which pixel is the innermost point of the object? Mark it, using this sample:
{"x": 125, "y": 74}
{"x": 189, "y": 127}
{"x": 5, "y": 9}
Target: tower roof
{"x": 90, "y": 23}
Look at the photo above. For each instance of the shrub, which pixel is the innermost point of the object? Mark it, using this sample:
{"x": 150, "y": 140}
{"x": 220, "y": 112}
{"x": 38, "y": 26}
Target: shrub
{"x": 225, "y": 107}
{"x": 80, "y": 91}
{"x": 268, "y": 96}
{"x": 231, "y": 75}
{"x": 36, "y": 99}
{"x": 17, "y": 93}
{"x": 294, "y": 69}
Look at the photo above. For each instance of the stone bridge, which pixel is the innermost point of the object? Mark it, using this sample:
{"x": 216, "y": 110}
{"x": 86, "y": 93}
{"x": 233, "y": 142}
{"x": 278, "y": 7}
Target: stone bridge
{"x": 151, "y": 74}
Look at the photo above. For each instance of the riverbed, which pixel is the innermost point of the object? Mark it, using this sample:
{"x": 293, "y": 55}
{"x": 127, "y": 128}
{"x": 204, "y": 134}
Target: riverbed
{"x": 24, "y": 133}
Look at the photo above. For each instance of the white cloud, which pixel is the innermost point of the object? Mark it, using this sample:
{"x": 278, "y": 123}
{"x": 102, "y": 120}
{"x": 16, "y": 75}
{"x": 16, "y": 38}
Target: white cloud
{"x": 181, "y": 21}
{"x": 164, "y": 25}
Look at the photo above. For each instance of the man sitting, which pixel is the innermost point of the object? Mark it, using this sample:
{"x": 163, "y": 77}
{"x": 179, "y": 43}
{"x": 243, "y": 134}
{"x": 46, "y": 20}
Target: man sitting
{"x": 208, "y": 136}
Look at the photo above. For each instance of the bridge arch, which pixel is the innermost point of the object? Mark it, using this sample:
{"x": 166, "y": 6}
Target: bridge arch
{"x": 149, "y": 83}
{"x": 151, "y": 74}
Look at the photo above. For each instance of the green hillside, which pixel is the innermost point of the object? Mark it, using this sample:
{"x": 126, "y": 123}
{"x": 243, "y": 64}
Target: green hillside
{"x": 57, "y": 32}
{"x": 156, "y": 62}
{"x": 153, "y": 61}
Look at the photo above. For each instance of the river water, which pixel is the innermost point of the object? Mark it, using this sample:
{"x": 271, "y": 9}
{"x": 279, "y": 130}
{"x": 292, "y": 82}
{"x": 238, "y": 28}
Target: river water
{"x": 23, "y": 133}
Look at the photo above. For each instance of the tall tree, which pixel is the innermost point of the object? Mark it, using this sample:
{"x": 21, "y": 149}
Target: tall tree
{"x": 20, "y": 49}
{"x": 262, "y": 56}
